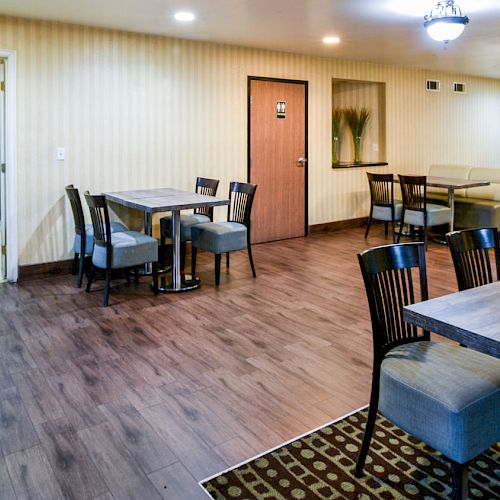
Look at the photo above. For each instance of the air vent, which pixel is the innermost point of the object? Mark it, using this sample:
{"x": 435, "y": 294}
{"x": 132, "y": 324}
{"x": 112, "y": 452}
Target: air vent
{"x": 433, "y": 85}
{"x": 459, "y": 87}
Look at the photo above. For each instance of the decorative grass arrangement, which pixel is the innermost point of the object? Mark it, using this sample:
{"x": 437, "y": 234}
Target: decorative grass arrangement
{"x": 336, "y": 123}
{"x": 357, "y": 120}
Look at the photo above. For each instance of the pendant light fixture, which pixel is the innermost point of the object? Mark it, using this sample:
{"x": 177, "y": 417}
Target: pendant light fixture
{"x": 445, "y": 22}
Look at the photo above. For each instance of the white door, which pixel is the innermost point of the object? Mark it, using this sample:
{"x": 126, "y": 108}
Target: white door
{"x": 3, "y": 246}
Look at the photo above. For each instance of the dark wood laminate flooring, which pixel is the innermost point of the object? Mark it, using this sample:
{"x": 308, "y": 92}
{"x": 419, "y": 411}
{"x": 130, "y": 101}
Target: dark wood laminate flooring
{"x": 146, "y": 397}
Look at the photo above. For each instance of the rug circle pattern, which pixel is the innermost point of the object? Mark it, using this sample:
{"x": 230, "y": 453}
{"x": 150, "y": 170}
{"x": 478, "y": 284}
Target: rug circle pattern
{"x": 321, "y": 465}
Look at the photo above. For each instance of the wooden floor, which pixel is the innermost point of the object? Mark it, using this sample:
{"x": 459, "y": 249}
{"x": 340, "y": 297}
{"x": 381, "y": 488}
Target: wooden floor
{"x": 148, "y": 396}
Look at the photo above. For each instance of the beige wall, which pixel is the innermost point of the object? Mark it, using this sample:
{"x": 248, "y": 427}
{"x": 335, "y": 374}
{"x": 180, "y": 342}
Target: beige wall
{"x": 137, "y": 111}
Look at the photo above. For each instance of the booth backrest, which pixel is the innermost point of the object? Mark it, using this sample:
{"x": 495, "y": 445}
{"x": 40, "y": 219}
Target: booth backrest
{"x": 454, "y": 171}
{"x": 491, "y": 192}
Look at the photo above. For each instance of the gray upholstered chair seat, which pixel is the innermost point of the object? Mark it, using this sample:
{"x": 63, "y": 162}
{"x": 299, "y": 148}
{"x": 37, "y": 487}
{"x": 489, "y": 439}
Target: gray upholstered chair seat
{"x": 436, "y": 215}
{"x": 443, "y": 394}
{"x": 384, "y": 213}
{"x": 219, "y": 237}
{"x": 116, "y": 227}
{"x": 129, "y": 249}
{"x": 187, "y": 221}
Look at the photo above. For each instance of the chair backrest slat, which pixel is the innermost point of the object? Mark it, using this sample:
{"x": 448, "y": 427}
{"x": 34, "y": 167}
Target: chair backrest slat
{"x": 207, "y": 187}
{"x": 241, "y": 197}
{"x": 381, "y": 189}
{"x": 100, "y": 219}
{"x": 76, "y": 208}
{"x": 470, "y": 250}
{"x": 388, "y": 276}
{"x": 414, "y": 192}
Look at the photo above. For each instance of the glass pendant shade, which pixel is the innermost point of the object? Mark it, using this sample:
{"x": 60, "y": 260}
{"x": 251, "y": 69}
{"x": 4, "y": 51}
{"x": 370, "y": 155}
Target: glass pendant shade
{"x": 443, "y": 30}
{"x": 445, "y": 21}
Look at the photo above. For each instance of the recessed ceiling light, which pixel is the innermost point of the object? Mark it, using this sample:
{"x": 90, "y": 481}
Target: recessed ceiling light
{"x": 184, "y": 16}
{"x": 331, "y": 39}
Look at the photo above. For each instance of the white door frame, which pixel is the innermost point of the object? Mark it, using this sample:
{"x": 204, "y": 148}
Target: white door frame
{"x": 11, "y": 162}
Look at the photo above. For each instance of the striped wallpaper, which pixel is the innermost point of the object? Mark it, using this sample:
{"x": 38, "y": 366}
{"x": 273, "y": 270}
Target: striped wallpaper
{"x": 138, "y": 111}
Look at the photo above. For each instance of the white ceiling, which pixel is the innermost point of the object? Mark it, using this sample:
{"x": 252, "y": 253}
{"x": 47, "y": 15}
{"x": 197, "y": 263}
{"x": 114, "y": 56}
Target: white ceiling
{"x": 381, "y": 31}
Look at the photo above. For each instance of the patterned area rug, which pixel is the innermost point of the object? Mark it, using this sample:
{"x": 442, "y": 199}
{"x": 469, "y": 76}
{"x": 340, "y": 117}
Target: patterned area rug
{"x": 321, "y": 465}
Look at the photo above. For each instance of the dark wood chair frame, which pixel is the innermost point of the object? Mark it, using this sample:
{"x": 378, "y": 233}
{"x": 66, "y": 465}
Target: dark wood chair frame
{"x": 382, "y": 195}
{"x": 470, "y": 251}
{"x": 102, "y": 238}
{"x": 414, "y": 194}
{"x": 207, "y": 187}
{"x": 388, "y": 278}
{"x": 79, "y": 220}
{"x": 241, "y": 197}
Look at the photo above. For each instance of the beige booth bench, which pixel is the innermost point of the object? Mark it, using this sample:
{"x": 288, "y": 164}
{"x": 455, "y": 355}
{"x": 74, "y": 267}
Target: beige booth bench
{"x": 474, "y": 207}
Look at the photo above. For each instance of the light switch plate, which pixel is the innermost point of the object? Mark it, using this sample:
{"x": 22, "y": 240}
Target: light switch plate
{"x": 60, "y": 153}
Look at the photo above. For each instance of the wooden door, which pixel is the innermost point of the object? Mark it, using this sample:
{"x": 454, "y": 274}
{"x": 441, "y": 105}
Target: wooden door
{"x": 278, "y": 158}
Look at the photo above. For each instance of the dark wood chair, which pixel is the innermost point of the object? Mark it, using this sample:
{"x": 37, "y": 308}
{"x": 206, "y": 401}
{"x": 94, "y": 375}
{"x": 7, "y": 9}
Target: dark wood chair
{"x": 207, "y": 187}
{"x": 229, "y": 236}
{"x": 470, "y": 250}
{"x": 416, "y": 210}
{"x": 121, "y": 250}
{"x": 84, "y": 235}
{"x": 382, "y": 205}
{"x": 414, "y": 381}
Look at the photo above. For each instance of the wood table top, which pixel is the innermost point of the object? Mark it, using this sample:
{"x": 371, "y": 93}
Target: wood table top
{"x": 471, "y": 317}
{"x": 451, "y": 182}
{"x": 164, "y": 199}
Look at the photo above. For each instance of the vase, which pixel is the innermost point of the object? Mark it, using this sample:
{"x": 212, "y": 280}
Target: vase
{"x": 335, "y": 150}
{"x": 357, "y": 149}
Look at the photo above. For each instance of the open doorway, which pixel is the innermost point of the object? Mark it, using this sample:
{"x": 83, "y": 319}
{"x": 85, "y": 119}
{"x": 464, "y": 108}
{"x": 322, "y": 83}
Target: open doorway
{"x": 3, "y": 162}
{"x": 8, "y": 167}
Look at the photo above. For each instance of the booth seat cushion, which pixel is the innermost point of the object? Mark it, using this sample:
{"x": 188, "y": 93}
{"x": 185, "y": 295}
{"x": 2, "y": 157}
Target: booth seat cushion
{"x": 474, "y": 212}
{"x": 129, "y": 249}
{"x": 436, "y": 215}
{"x": 187, "y": 221}
{"x": 445, "y": 395}
{"x": 384, "y": 213}
{"x": 454, "y": 171}
{"x": 89, "y": 237}
{"x": 219, "y": 237}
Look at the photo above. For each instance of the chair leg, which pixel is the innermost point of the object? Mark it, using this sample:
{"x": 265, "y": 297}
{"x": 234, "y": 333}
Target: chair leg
{"x": 183, "y": 255}
{"x": 194, "y": 251}
{"x": 386, "y": 228}
{"x": 249, "y": 247}
{"x": 401, "y": 224}
{"x": 426, "y": 238}
{"x": 91, "y": 277}
{"x": 217, "y": 268}
{"x": 369, "y": 222}
{"x": 107, "y": 286}
{"x": 81, "y": 265}
{"x": 154, "y": 269}
{"x": 459, "y": 481}
{"x": 136, "y": 274}
{"x": 74, "y": 267}
{"x": 370, "y": 425}
{"x": 227, "y": 260}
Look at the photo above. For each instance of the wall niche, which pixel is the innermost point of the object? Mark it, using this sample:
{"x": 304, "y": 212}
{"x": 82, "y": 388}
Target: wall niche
{"x": 358, "y": 94}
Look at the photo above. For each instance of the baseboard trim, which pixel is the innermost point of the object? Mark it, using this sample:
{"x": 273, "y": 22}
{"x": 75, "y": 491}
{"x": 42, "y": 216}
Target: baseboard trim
{"x": 338, "y": 225}
{"x": 35, "y": 271}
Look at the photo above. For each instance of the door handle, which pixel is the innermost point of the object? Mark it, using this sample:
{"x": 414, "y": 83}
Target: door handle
{"x": 302, "y": 161}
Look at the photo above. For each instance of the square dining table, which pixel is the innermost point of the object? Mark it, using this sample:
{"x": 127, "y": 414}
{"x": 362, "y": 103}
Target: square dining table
{"x": 151, "y": 201}
{"x": 471, "y": 317}
{"x": 451, "y": 185}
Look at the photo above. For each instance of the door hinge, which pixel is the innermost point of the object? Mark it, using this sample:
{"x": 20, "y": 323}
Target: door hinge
{"x": 2, "y": 86}
{"x": 4, "y": 249}
{"x": 4, "y": 168}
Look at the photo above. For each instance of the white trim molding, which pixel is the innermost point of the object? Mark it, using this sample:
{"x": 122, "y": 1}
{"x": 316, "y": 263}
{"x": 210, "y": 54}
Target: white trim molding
{"x": 11, "y": 162}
